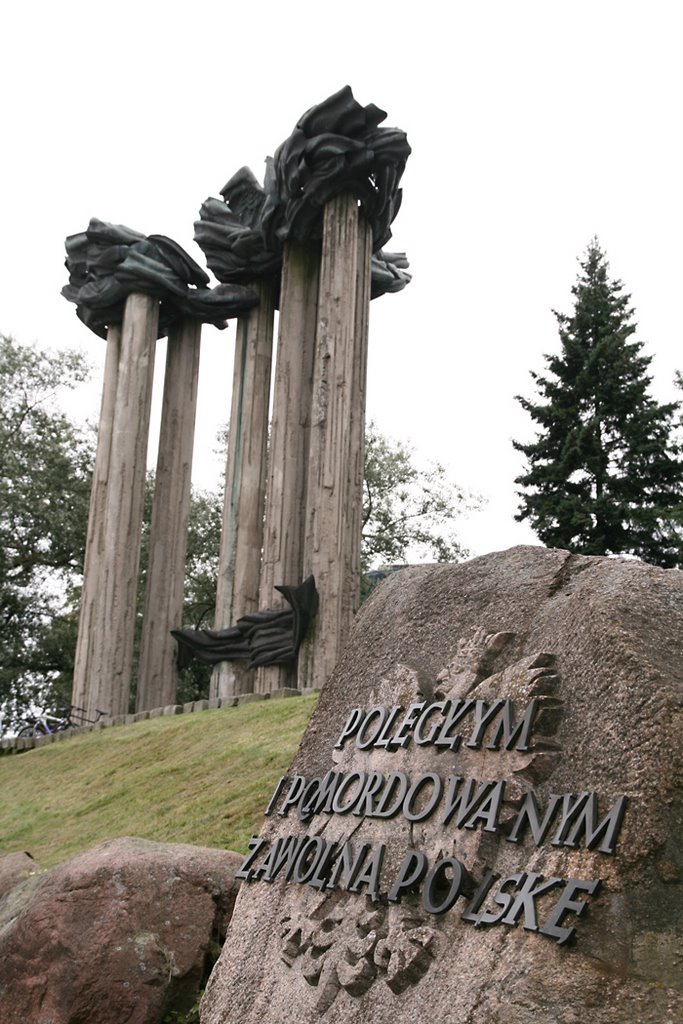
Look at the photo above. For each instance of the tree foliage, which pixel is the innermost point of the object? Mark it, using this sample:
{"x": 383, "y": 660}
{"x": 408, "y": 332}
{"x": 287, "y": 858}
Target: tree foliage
{"x": 45, "y": 475}
{"x": 603, "y": 473}
{"x": 201, "y": 574}
{"x": 407, "y": 511}
{"x": 45, "y": 472}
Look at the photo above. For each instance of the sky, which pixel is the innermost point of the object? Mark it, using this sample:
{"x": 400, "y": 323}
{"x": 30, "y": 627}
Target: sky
{"x": 534, "y": 127}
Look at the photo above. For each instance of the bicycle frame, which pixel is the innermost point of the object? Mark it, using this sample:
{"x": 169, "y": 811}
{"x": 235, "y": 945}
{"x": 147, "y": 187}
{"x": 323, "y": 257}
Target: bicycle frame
{"x": 73, "y": 718}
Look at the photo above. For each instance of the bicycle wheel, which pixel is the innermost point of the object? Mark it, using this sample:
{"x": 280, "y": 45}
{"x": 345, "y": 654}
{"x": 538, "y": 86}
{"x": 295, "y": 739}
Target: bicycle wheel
{"x": 38, "y": 729}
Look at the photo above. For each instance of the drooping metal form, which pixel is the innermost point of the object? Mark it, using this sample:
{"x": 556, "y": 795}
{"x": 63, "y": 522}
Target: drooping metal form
{"x": 270, "y": 637}
{"x": 108, "y": 262}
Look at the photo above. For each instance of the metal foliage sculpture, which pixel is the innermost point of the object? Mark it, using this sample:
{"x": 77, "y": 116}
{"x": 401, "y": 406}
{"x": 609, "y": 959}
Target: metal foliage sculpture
{"x": 337, "y": 146}
{"x": 388, "y": 273}
{"x": 261, "y": 638}
{"x": 108, "y": 261}
{"x": 230, "y": 233}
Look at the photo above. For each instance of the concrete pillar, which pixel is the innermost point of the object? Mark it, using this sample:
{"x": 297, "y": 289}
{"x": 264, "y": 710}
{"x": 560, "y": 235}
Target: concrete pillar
{"x": 114, "y": 625}
{"x": 245, "y": 483}
{"x": 163, "y": 608}
{"x": 337, "y": 413}
{"x": 94, "y": 547}
{"x": 289, "y": 441}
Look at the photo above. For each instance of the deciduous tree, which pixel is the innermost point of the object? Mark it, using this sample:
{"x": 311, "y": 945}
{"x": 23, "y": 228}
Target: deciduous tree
{"x": 408, "y": 511}
{"x": 45, "y": 471}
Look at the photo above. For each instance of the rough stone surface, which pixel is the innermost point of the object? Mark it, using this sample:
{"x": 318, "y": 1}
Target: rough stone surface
{"x": 122, "y": 933}
{"x": 600, "y": 643}
{"x": 15, "y": 868}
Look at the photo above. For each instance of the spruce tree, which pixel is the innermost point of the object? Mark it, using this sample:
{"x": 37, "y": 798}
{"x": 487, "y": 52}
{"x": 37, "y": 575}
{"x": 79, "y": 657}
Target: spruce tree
{"x": 604, "y": 474}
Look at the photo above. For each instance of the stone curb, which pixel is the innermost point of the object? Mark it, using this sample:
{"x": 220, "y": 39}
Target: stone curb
{"x": 15, "y": 745}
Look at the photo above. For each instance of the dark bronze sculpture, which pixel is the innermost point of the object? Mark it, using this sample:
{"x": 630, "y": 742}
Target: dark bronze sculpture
{"x": 388, "y": 273}
{"x": 230, "y": 233}
{"x": 337, "y": 146}
{"x": 108, "y": 261}
{"x": 262, "y": 638}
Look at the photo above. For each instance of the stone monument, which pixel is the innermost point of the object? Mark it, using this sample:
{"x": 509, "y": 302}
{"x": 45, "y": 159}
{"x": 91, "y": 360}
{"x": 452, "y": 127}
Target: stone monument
{"x": 483, "y": 821}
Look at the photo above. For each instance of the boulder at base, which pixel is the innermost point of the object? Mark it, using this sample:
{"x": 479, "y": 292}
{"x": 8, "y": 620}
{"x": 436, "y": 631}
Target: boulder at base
{"x": 119, "y": 934}
{"x": 15, "y": 868}
{"x": 482, "y": 823}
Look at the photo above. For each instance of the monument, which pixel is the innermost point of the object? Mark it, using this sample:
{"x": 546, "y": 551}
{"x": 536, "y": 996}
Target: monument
{"x": 483, "y": 820}
{"x": 309, "y": 243}
{"x": 131, "y": 289}
{"x": 319, "y": 222}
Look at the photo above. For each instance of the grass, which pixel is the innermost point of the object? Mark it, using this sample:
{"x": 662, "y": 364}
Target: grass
{"x": 204, "y": 779}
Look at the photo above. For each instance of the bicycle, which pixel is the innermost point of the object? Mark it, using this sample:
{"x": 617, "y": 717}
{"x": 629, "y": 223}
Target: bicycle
{"x": 72, "y": 717}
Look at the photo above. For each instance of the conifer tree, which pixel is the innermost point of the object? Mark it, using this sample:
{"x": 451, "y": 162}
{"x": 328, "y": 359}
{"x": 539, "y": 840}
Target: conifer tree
{"x": 603, "y": 474}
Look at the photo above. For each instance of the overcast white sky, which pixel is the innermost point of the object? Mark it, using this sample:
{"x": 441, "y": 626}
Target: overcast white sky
{"x": 534, "y": 126}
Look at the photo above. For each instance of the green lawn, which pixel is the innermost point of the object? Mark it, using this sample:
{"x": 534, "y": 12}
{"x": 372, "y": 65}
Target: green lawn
{"x": 204, "y": 779}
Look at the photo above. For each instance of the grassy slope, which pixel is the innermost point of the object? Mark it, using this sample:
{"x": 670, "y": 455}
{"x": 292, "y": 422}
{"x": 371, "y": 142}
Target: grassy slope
{"x": 203, "y": 779}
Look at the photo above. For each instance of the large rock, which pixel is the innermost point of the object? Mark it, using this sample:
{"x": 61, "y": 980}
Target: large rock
{"x": 539, "y": 893}
{"x": 118, "y": 935}
{"x": 15, "y": 868}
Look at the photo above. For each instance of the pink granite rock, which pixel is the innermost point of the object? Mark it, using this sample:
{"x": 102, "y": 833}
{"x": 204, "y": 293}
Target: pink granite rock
{"x": 117, "y": 935}
{"x": 15, "y": 868}
{"x": 493, "y": 770}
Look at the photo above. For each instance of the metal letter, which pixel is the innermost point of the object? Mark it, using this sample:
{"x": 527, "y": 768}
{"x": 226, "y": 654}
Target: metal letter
{"x": 436, "y": 879}
{"x": 421, "y": 740}
{"x": 414, "y": 790}
{"x": 370, "y": 875}
{"x": 276, "y": 794}
{"x": 363, "y": 744}
{"x": 411, "y": 872}
{"x": 483, "y": 716}
{"x": 593, "y": 829}
{"x": 350, "y": 727}
{"x": 400, "y": 739}
{"x": 457, "y": 711}
{"x": 514, "y": 735}
{"x": 566, "y": 905}
{"x": 524, "y": 900}
{"x": 256, "y": 844}
{"x": 348, "y": 781}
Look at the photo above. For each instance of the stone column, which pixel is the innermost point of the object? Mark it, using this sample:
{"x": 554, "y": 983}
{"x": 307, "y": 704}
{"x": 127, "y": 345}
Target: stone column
{"x": 94, "y": 547}
{"x": 163, "y": 609}
{"x": 113, "y": 627}
{"x": 354, "y": 507}
{"x": 289, "y": 441}
{"x": 245, "y": 483}
{"x": 337, "y": 413}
